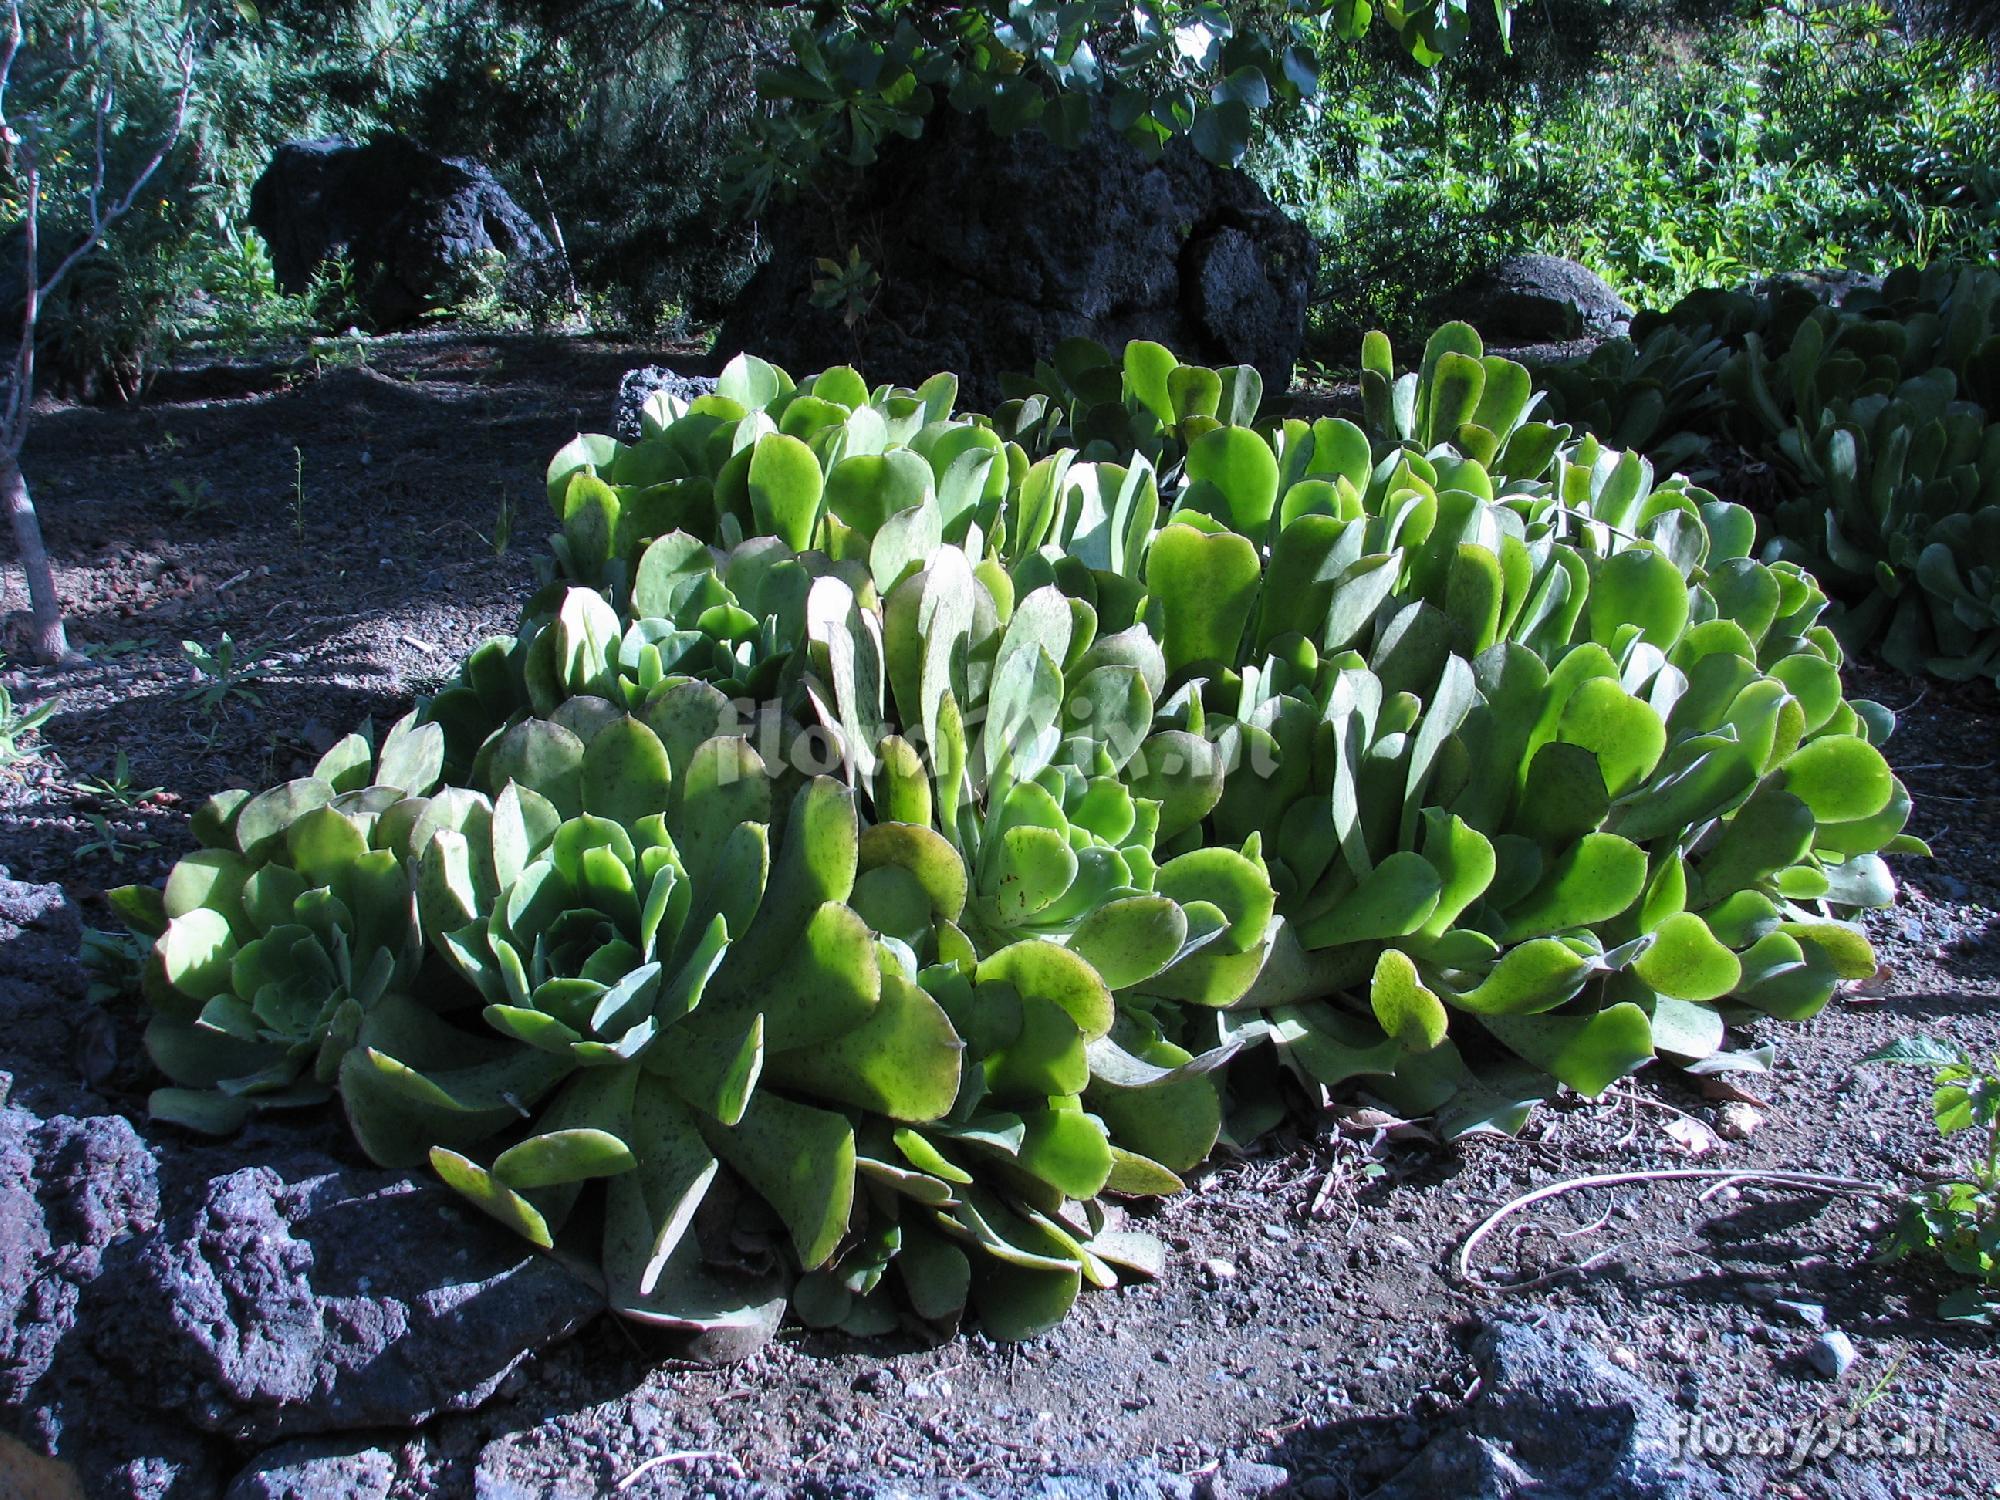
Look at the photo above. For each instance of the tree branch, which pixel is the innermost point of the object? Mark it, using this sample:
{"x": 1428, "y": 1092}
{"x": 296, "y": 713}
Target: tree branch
{"x": 20, "y": 390}
{"x": 7, "y": 56}
{"x": 99, "y": 166}
{"x": 102, "y": 222}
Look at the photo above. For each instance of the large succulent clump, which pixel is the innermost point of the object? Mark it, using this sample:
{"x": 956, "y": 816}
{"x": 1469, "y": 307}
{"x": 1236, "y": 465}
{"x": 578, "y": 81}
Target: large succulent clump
{"x": 890, "y": 828}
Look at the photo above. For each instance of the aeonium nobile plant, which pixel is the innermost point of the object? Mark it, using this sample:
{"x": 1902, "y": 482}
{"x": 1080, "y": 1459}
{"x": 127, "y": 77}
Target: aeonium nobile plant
{"x": 897, "y": 844}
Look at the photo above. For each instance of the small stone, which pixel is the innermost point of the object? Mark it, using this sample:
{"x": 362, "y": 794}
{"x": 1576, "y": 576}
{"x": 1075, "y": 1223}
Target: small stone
{"x": 1809, "y": 1313}
{"x": 1242, "y": 1479}
{"x": 1737, "y": 1121}
{"x": 1402, "y": 1244}
{"x": 1832, "y": 1354}
{"x": 1219, "y": 1269}
{"x": 1624, "y": 1358}
{"x": 1277, "y": 1232}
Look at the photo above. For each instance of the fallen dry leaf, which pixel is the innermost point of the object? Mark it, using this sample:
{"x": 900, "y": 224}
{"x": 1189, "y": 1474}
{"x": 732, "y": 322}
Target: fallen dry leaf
{"x": 1366, "y": 1120}
{"x": 1693, "y": 1137}
{"x": 1720, "y": 1088}
{"x": 1874, "y": 987}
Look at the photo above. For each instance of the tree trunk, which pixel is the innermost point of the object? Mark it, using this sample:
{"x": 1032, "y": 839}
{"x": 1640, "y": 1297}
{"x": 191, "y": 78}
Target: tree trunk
{"x": 50, "y": 641}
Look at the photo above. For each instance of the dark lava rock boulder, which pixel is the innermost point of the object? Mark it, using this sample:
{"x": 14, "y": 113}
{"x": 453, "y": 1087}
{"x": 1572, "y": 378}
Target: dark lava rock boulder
{"x": 993, "y": 250}
{"x": 1555, "y": 1420}
{"x": 39, "y": 933}
{"x": 75, "y": 1194}
{"x": 641, "y": 385}
{"x": 350, "y": 1299}
{"x": 52, "y": 1044}
{"x": 420, "y": 230}
{"x": 1532, "y": 299}
{"x": 69, "y": 1189}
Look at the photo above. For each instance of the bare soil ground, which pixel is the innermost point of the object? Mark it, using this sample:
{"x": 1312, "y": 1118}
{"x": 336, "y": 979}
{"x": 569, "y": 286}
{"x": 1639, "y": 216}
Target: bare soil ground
{"x": 337, "y": 525}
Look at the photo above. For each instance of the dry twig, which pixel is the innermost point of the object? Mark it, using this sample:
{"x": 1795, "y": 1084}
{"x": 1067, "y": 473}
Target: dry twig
{"x": 1806, "y": 1181}
{"x": 687, "y": 1456}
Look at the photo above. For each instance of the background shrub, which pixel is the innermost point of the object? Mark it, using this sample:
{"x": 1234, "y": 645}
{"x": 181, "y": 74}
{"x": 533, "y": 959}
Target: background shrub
{"x": 1665, "y": 146}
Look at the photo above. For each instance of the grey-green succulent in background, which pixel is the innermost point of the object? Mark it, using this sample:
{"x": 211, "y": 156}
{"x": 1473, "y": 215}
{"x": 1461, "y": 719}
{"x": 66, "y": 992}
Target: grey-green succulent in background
{"x": 1658, "y": 395}
{"x": 1872, "y": 429}
{"x": 1901, "y": 516}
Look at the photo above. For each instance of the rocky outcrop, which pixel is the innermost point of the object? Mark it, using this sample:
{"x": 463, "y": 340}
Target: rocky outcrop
{"x": 169, "y": 1304}
{"x": 991, "y": 251}
{"x": 338, "y": 1300}
{"x": 419, "y": 230}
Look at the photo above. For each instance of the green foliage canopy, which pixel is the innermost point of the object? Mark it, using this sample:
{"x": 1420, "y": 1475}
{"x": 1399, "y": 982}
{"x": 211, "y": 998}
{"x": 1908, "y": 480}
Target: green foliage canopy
{"x": 1209, "y": 71}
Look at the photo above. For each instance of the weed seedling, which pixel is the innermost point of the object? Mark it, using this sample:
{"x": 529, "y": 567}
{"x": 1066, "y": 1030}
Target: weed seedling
{"x": 187, "y": 500}
{"x": 117, "y": 788}
{"x": 107, "y": 651}
{"x": 1958, "y": 1221}
{"x": 848, "y": 288}
{"x": 113, "y": 963}
{"x": 224, "y": 671}
{"x": 14, "y": 725}
{"x": 503, "y": 527}
{"x": 110, "y": 843}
